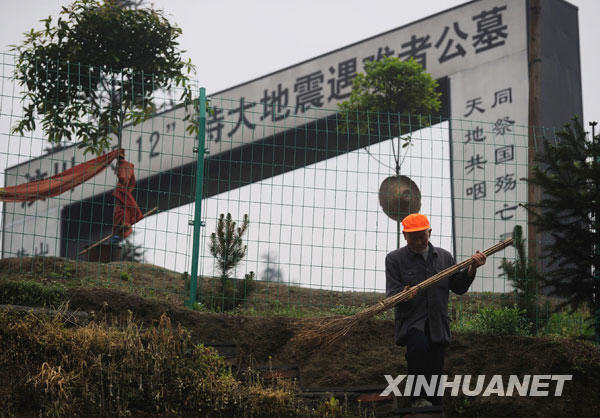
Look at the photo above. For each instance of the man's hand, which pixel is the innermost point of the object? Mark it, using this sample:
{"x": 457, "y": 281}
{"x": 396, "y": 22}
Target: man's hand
{"x": 479, "y": 260}
{"x": 412, "y": 294}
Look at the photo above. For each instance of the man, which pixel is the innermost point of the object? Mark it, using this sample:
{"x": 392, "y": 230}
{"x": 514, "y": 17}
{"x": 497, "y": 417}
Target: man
{"x": 421, "y": 322}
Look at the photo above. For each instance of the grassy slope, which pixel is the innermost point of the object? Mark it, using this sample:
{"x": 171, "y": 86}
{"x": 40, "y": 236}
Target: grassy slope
{"x": 361, "y": 359}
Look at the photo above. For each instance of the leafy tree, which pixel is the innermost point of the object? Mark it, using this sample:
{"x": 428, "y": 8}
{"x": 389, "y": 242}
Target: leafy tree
{"x": 129, "y": 3}
{"x": 97, "y": 67}
{"x": 227, "y": 247}
{"x": 386, "y": 95}
{"x": 55, "y": 147}
{"x": 524, "y": 276}
{"x": 568, "y": 174}
{"x": 390, "y": 99}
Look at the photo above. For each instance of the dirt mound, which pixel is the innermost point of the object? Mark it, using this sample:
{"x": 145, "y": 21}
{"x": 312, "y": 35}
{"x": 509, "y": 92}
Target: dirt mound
{"x": 368, "y": 353}
{"x": 360, "y": 359}
{"x": 262, "y": 340}
{"x": 256, "y": 338}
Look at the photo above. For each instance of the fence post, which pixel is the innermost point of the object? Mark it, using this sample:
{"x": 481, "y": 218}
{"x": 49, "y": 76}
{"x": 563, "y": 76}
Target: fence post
{"x": 596, "y": 285}
{"x": 199, "y": 183}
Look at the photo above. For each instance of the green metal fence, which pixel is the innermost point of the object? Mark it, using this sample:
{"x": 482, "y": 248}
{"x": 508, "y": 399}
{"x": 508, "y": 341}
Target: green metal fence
{"x": 311, "y": 187}
{"x": 38, "y": 237}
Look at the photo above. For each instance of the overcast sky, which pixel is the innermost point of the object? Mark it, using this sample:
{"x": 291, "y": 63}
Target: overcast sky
{"x": 233, "y": 41}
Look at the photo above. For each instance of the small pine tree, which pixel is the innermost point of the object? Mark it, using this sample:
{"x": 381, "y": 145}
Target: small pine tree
{"x": 132, "y": 252}
{"x": 523, "y": 274}
{"x": 272, "y": 272}
{"x": 227, "y": 247}
{"x": 226, "y": 244}
{"x": 569, "y": 178}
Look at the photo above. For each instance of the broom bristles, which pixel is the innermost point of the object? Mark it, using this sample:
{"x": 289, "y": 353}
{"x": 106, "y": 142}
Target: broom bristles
{"x": 329, "y": 330}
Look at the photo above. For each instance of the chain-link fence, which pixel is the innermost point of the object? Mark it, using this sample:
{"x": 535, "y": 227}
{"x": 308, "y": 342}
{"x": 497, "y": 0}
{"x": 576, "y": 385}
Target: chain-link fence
{"x": 78, "y": 223}
{"x": 322, "y": 201}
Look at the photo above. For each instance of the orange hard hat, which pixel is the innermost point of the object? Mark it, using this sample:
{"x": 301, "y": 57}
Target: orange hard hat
{"x": 415, "y": 222}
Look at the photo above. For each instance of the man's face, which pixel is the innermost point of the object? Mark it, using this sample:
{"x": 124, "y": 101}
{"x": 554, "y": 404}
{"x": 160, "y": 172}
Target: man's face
{"x": 417, "y": 241}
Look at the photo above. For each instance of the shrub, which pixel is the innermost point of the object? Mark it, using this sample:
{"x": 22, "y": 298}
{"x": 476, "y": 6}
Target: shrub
{"x": 234, "y": 292}
{"x": 198, "y": 307}
{"x": 132, "y": 252}
{"x": 331, "y": 408}
{"x": 47, "y": 369}
{"x": 568, "y": 324}
{"x": 497, "y": 321}
{"x": 502, "y": 321}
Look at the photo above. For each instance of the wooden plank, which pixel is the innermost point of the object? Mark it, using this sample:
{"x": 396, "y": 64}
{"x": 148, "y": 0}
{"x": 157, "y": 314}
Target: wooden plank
{"x": 349, "y": 389}
{"x": 373, "y": 397}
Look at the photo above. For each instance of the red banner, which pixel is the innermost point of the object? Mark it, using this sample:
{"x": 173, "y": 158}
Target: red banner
{"x": 127, "y": 211}
{"x": 60, "y": 183}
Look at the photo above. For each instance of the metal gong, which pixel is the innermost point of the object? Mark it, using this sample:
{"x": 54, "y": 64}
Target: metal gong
{"x": 399, "y": 196}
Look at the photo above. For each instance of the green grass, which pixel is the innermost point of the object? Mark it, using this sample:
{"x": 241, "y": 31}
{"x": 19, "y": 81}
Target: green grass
{"x": 492, "y": 320}
{"x": 277, "y": 308}
{"x": 30, "y": 293}
{"x": 44, "y": 281}
{"x": 568, "y": 324}
{"x": 512, "y": 321}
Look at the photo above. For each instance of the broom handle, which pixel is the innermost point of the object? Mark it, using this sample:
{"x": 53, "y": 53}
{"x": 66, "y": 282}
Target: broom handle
{"x": 106, "y": 238}
{"x": 450, "y": 271}
{"x": 338, "y": 327}
{"x": 94, "y": 245}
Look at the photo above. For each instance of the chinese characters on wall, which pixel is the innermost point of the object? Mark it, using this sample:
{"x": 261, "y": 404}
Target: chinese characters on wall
{"x": 489, "y": 133}
{"x": 473, "y": 34}
{"x": 502, "y": 153}
{"x": 470, "y": 36}
{"x": 493, "y": 147}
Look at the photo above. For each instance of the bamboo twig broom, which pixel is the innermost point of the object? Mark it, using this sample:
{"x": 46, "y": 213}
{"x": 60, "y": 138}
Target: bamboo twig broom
{"x": 330, "y": 330}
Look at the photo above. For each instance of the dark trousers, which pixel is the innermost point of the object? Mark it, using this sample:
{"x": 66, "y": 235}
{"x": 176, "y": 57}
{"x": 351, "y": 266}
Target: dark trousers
{"x": 424, "y": 358}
